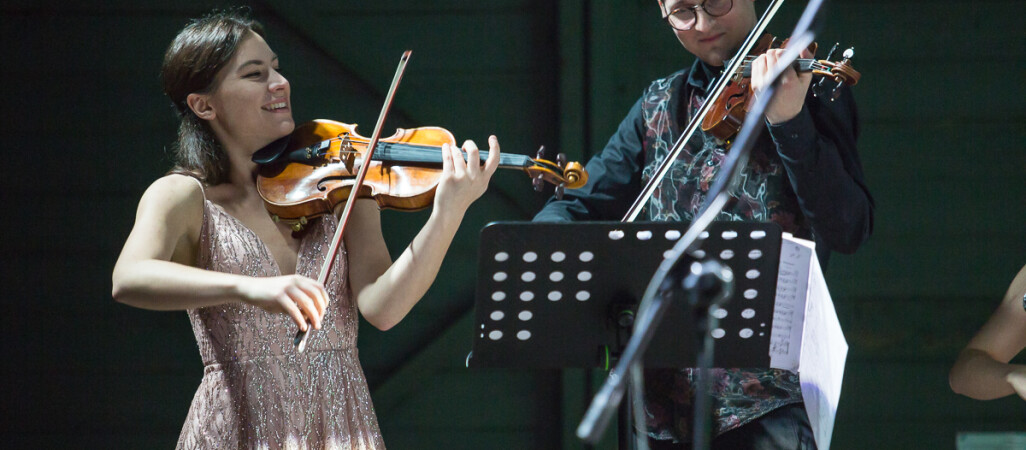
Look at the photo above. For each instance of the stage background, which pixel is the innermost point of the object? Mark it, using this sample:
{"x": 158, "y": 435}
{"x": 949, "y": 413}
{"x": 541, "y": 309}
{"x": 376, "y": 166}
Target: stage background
{"x": 85, "y": 130}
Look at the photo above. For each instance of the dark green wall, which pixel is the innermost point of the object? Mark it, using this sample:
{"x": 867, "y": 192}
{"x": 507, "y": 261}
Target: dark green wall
{"x": 85, "y": 130}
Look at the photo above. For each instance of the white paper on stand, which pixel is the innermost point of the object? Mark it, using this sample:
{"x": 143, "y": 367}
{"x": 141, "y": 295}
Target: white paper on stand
{"x": 789, "y": 308}
{"x": 808, "y": 338}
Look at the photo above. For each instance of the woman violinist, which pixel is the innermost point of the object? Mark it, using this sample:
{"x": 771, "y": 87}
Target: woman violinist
{"x": 203, "y": 242}
{"x": 804, "y": 174}
{"x": 983, "y": 370}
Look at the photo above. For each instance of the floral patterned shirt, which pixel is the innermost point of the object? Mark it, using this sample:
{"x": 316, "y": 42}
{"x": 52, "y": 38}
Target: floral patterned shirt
{"x": 803, "y": 174}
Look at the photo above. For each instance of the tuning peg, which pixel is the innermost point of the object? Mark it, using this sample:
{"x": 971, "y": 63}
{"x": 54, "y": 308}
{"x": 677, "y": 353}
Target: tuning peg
{"x": 833, "y": 49}
{"x": 848, "y": 54}
{"x": 821, "y": 83}
{"x": 538, "y": 182}
{"x": 561, "y": 160}
{"x": 836, "y": 93}
{"x": 541, "y": 153}
{"x": 560, "y": 188}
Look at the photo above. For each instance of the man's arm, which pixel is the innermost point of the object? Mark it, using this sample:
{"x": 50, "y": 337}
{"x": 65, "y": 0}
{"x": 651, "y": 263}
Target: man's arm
{"x": 815, "y": 138}
{"x": 613, "y": 178}
{"x": 817, "y": 148}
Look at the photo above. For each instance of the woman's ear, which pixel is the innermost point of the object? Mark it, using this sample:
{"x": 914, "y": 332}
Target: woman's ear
{"x": 200, "y": 105}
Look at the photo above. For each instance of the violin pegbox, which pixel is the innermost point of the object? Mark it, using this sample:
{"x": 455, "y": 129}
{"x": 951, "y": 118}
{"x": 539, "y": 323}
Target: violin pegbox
{"x": 561, "y": 173}
{"x": 538, "y": 181}
{"x": 541, "y": 153}
{"x": 851, "y": 75}
{"x": 561, "y": 163}
{"x": 840, "y": 72}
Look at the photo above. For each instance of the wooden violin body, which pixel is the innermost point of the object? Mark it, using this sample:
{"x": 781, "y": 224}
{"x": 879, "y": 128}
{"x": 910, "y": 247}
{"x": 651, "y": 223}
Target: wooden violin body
{"x": 729, "y": 109}
{"x": 323, "y": 157}
{"x": 293, "y": 190}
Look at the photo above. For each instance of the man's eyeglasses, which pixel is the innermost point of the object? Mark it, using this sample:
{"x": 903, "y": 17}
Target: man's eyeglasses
{"x": 684, "y": 19}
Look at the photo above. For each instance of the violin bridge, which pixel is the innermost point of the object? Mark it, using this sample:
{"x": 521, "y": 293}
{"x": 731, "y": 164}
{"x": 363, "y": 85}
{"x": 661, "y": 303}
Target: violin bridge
{"x": 347, "y": 155}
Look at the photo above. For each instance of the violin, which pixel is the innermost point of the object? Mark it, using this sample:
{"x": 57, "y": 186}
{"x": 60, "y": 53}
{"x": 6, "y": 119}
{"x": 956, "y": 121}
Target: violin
{"x": 729, "y": 109}
{"x": 317, "y": 169}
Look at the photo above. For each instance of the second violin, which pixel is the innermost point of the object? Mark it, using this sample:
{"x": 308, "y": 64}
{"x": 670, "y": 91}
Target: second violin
{"x": 729, "y": 109}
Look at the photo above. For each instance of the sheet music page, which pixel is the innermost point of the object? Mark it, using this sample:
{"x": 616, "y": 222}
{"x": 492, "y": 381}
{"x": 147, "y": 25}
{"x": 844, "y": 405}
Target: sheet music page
{"x": 789, "y": 307}
{"x": 823, "y": 355}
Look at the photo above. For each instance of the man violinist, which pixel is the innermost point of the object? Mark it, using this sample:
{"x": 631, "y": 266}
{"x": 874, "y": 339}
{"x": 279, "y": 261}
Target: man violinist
{"x": 804, "y": 174}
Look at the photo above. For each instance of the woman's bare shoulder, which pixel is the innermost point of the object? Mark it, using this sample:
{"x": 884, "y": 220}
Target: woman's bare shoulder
{"x": 173, "y": 197}
{"x": 175, "y": 188}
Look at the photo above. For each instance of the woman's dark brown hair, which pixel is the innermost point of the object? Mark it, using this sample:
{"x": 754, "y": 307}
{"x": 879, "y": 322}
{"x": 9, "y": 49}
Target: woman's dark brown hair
{"x": 191, "y": 65}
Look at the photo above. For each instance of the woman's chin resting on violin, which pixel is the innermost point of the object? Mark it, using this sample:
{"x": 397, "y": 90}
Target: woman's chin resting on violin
{"x": 203, "y": 242}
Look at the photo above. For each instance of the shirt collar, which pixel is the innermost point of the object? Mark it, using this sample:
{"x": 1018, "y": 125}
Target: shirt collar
{"x": 702, "y": 74}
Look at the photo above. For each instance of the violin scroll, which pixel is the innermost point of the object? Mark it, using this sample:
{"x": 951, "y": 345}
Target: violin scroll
{"x": 564, "y": 175}
{"x": 841, "y": 72}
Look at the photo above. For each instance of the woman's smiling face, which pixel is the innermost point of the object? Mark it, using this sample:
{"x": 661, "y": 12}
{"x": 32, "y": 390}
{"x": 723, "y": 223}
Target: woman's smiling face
{"x": 251, "y": 101}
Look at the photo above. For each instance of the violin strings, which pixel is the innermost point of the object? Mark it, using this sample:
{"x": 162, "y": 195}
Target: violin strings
{"x": 813, "y": 64}
{"x": 396, "y": 151}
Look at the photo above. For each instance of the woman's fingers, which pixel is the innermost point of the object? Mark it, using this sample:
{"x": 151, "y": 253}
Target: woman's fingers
{"x": 459, "y": 165}
{"x": 306, "y": 305}
{"x": 446, "y": 158}
{"x": 312, "y": 299}
{"x": 493, "y": 155}
{"x": 317, "y": 293}
{"x": 301, "y": 298}
{"x": 1018, "y": 381}
{"x": 468, "y": 178}
{"x": 473, "y": 158}
{"x": 292, "y": 310}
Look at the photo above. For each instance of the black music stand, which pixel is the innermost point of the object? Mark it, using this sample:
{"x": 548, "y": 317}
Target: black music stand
{"x": 558, "y": 295}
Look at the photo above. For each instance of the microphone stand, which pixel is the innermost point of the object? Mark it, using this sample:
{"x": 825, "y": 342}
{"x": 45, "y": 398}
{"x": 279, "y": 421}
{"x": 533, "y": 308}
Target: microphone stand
{"x": 661, "y": 287}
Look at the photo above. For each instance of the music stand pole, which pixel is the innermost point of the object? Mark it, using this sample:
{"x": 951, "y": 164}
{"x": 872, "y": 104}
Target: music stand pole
{"x": 597, "y": 416}
{"x": 709, "y": 285}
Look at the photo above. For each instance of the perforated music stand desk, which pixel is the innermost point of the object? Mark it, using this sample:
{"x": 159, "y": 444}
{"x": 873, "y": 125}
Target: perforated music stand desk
{"x": 550, "y": 295}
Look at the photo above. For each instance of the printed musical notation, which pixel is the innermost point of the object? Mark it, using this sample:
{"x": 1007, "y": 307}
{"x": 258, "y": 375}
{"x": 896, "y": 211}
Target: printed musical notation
{"x": 789, "y": 309}
{"x": 806, "y": 335}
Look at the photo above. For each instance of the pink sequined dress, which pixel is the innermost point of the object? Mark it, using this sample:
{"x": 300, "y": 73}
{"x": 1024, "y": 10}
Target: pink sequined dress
{"x": 257, "y": 392}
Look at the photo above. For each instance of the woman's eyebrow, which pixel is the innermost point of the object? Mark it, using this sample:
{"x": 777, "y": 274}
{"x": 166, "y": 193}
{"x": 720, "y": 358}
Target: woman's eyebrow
{"x": 254, "y": 62}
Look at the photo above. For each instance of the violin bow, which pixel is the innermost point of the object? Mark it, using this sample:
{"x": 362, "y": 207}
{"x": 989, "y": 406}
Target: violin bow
{"x": 302, "y": 336}
{"x": 736, "y": 62}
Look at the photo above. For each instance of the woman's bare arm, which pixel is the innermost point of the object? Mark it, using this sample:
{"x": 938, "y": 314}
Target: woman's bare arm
{"x": 386, "y": 291}
{"x": 155, "y": 269}
{"x": 982, "y": 370}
